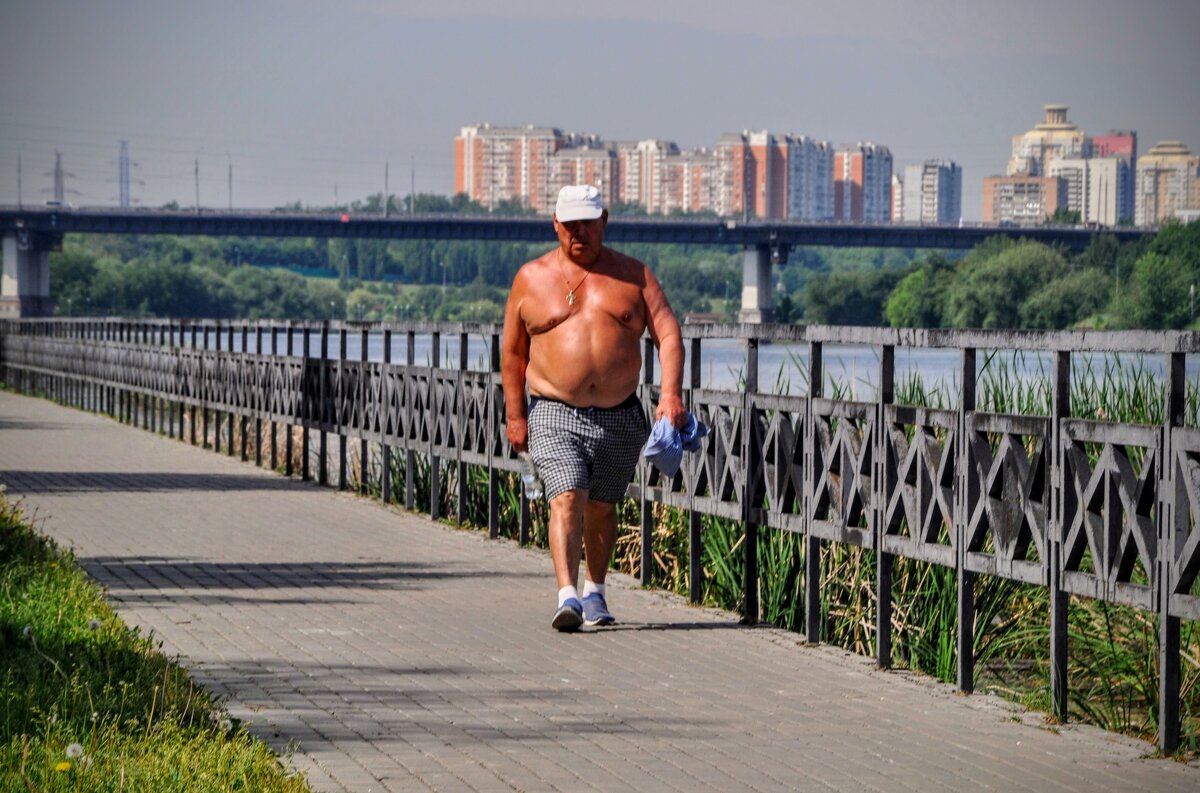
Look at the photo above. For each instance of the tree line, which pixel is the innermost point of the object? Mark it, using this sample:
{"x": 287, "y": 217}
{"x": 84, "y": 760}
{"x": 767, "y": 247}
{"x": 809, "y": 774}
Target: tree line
{"x": 1002, "y": 283}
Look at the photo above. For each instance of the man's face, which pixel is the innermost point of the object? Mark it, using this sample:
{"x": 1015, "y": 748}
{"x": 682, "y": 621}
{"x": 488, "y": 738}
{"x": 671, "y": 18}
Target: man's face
{"x": 581, "y": 240}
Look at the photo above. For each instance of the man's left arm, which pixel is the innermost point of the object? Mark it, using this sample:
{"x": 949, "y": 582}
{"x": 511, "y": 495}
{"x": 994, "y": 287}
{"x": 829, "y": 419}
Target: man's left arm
{"x": 664, "y": 330}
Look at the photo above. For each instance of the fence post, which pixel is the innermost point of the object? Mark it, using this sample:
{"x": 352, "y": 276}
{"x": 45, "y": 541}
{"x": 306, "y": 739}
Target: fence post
{"x": 323, "y": 407}
{"x": 752, "y": 465}
{"x": 307, "y": 402}
{"x": 435, "y": 462}
{"x": 1058, "y": 598}
{"x": 882, "y": 487}
{"x": 647, "y": 506}
{"x": 385, "y": 393}
{"x": 340, "y": 401}
{"x": 460, "y": 509}
{"x": 812, "y": 543}
{"x": 494, "y": 428}
{"x": 1168, "y": 625}
{"x": 964, "y": 503}
{"x": 410, "y": 454}
{"x": 364, "y": 478}
{"x": 695, "y": 534}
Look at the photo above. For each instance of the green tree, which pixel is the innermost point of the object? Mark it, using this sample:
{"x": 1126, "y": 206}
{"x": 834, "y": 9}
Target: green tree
{"x": 995, "y": 280}
{"x": 1158, "y": 295}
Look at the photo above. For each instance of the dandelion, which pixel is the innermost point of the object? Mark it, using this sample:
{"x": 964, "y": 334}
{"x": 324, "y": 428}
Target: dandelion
{"x": 94, "y": 624}
{"x": 74, "y": 750}
{"x": 226, "y": 725}
{"x": 63, "y": 766}
{"x": 95, "y": 716}
{"x": 85, "y": 762}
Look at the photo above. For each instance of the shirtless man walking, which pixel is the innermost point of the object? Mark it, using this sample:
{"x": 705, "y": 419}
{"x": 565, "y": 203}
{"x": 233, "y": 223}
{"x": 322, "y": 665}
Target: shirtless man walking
{"x": 572, "y": 338}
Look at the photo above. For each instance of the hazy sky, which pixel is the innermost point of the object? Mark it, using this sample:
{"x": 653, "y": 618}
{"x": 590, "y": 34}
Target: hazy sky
{"x": 301, "y": 96}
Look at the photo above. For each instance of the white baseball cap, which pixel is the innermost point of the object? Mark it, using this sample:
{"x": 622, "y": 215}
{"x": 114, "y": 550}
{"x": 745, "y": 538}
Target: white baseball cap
{"x": 578, "y": 202}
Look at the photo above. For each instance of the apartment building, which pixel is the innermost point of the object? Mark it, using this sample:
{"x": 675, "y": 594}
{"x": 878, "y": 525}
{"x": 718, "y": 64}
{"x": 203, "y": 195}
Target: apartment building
{"x": 753, "y": 174}
{"x": 1092, "y": 187}
{"x": 809, "y": 178}
{"x": 1121, "y": 145}
{"x": 932, "y": 193}
{"x": 1168, "y": 184}
{"x": 494, "y": 164}
{"x": 1021, "y": 200}
{"x": 862, "y": 183}
{"x": 1054, "y": 138}
{"x": 589, "y": 164}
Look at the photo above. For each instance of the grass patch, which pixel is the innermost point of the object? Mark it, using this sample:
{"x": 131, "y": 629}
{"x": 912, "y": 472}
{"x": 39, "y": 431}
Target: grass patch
{"x": 88, "y": 703}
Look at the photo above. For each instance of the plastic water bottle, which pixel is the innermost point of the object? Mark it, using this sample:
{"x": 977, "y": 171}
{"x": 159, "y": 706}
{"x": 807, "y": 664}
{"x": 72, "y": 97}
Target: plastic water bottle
{"x": 530, "y": 478}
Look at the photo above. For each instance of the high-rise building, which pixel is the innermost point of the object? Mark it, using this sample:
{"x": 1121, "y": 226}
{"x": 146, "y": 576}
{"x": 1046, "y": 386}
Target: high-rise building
{"x": 1123, "y": 146}
{"x": 1168, "y": 183}
{"x": 932, "y": 192}
{"x": 1054, "y": 138}
{"x": 898, "y": 197}
{"x": 862, "y": 183}
{"x": 494, "y": 164}
{"x": 753, "y": 174}
{"x": 689, "y": 182}
{"x": 1092, "y": 187}
{"x": 809, "y": 178}
{"x": 590, "y": 164}
{"x": 1021, "y": 200}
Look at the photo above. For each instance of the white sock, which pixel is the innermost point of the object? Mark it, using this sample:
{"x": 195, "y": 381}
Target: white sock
{"x": 566, "y": 593}
{"x": 590, "y": 586}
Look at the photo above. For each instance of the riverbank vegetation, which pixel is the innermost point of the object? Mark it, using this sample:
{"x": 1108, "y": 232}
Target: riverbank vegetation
{"x": 87, "y": 703}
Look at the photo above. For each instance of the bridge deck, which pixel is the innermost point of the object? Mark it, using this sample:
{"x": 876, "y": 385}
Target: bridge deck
{"x": 403, "y": 655}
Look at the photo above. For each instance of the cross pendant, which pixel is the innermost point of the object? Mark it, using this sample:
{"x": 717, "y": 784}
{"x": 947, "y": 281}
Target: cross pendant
{"x": 571, "y": 298}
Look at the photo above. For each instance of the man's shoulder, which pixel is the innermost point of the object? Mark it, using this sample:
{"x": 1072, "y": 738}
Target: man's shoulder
{"x": 624, "y": 263}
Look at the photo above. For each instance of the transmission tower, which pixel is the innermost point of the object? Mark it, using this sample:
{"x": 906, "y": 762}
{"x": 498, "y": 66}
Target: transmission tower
{"x": 60, "y": 178}
{"x": 123, "y": 175}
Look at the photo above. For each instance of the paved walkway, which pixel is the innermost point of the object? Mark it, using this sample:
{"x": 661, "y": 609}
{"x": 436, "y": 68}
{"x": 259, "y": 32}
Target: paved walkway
{"x": 399, "y": 654}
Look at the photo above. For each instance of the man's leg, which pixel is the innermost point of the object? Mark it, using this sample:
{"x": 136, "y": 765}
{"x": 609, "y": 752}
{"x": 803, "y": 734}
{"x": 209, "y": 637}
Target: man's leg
{"x": 599, "y": 538}
{"x": 566, "y": 546}
{"x": 566, "y": 535}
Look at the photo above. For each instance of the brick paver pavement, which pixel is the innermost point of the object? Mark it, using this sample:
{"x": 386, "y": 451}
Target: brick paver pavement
{"x": 399, "y": 654}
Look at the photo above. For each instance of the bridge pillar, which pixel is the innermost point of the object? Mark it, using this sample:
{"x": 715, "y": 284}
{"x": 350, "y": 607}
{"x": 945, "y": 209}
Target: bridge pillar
{"x": 756, "y": 280}
{"x": 25, "y": 278}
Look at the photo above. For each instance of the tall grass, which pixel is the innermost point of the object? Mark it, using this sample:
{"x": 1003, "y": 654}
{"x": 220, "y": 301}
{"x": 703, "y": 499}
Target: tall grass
{"x": 87, "y": 703}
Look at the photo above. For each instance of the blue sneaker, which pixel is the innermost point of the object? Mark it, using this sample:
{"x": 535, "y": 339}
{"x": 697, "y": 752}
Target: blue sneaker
{"x": 595, "y": 610}
{"x": 569, "y": 616}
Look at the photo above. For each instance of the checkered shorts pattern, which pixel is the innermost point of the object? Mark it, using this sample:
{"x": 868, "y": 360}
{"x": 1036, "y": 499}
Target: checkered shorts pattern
{"x": 592, "y": 449}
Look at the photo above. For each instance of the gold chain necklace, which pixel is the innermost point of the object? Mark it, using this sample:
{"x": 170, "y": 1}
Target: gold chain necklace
{"x": 571, "y": 297}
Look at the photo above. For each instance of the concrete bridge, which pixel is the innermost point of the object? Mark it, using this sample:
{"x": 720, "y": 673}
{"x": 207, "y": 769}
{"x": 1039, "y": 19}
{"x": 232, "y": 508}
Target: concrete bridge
{"x": 29, "y": 235}
{"x": 402, "y": 654}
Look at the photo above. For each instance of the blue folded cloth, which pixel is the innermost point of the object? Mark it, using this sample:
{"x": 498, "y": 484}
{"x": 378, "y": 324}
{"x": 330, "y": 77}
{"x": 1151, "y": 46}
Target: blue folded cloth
{"x": 666, "y": 443}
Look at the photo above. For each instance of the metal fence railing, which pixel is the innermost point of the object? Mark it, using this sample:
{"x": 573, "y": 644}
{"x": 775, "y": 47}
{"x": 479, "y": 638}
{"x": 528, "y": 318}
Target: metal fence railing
{"x": 1078, "y": 505}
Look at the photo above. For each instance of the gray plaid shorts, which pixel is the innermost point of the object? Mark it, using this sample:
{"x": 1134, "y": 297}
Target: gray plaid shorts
{"x": 592, "y": 449}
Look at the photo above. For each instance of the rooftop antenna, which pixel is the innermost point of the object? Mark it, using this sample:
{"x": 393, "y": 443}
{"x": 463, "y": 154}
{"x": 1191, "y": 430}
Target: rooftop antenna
{"x": 197, "y": 185}
{"x": 19, "y": 204}
{"x": 386, "y": 200}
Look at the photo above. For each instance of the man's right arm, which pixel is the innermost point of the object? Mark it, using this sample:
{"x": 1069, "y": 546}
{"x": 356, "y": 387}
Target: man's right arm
{"x": 514, "y": 359}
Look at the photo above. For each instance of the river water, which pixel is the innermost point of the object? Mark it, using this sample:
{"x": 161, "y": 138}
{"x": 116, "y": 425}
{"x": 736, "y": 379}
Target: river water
{"x": 782, "y": 368}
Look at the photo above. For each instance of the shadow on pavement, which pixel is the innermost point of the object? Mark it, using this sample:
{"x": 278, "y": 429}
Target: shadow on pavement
{"x": 29, "y": 482}
{"x": 120, "y": 573}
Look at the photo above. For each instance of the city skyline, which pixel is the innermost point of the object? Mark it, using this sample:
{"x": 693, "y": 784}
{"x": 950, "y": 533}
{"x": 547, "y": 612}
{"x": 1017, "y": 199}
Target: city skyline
{"x": 297, "y": 96}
